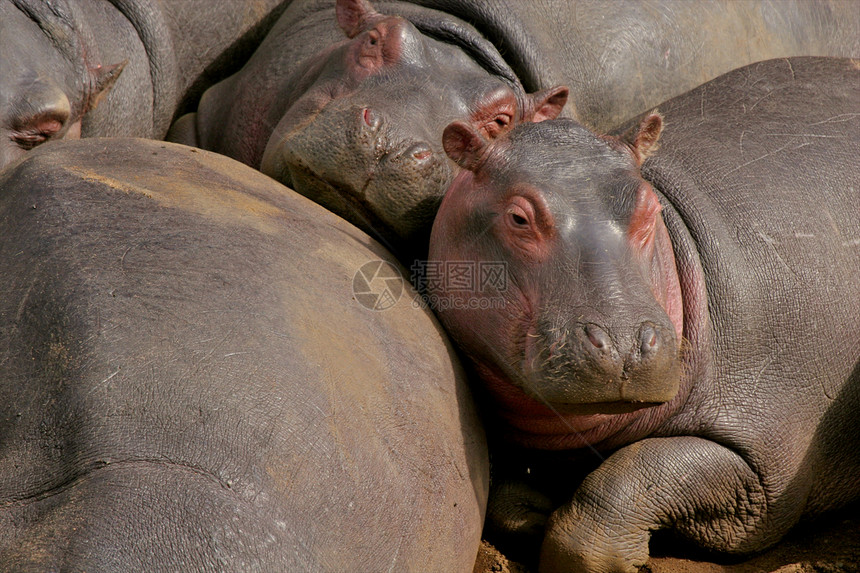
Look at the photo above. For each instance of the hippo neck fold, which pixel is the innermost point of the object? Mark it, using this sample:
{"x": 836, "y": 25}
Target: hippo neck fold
{"x": 502, "y": 30}
{"x": 697, "y": 329}
{"x": 444, "y": 27}
{"x": 147, "y": 18}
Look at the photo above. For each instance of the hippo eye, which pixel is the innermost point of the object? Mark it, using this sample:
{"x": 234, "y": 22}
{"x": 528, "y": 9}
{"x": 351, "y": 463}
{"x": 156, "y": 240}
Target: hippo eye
{"x": 519, "y": 220}
{"x": 373, "y": 37}
{"x": 518, "y": 217}
{"x": 500, "y": 122}
{"x": 28, "y": 138}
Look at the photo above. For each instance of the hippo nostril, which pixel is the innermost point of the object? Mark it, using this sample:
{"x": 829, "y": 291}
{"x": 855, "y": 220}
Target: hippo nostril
{"x": 597, "y": 336}
{"x": 420, "y": 152}
{"x": 649, "y": 340}
{"x": 370, "y": 118}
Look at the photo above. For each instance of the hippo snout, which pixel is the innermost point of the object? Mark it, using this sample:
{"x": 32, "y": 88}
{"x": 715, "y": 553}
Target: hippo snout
{"x": 366, "y": 167}
{"x": 382, "y": 147}
{"x": 591, "y": 364}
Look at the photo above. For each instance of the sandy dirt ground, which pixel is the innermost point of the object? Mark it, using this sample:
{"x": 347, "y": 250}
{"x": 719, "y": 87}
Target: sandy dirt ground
{"x": 831, "y": 546}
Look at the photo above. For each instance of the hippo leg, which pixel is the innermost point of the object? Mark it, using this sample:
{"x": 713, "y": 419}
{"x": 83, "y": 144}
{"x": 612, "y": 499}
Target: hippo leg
{"x": 516, "y": 518}
{"x": 184, "y": 130}
{"x": 704, "y": 491}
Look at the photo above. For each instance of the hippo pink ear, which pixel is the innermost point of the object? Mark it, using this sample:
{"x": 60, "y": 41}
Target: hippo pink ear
{"x": 464, "y": 144}
{"x": 354, "y": 15}
{"x": 546, "y": 104}
{"x": 102, "y": 79}
{"x": 643, "y": 139}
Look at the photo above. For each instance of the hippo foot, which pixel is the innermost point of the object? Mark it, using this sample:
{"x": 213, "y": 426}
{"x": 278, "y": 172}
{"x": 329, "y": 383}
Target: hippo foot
{"x": 702, "y": 491}
{"x": 516, "y": 519}
{"x": 580, "y": 539}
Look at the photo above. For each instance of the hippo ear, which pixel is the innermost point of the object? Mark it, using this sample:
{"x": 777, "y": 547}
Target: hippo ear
{"x": 353, "y": 16}
{"x": 103, "y": 79}
{"x": 643, "y": 139}
{"x": 464, "y": 144}
{"x": 546, "y": 104}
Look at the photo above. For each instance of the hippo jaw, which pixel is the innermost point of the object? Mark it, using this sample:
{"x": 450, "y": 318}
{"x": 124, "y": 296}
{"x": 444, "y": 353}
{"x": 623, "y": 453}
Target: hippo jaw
{"x": 400, "y": 234}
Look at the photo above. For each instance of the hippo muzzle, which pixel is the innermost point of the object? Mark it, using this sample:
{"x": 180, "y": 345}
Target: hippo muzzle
{"x": 352, "y": 159}
{"x": 584, "y": 366}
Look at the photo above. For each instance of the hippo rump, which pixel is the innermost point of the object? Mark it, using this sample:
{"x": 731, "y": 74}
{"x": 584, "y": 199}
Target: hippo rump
{"x": 346, "y": 102}
{"x": 189, "y": 384}
{"x": 680, "y": 330}
{"x": 60, "y": 58}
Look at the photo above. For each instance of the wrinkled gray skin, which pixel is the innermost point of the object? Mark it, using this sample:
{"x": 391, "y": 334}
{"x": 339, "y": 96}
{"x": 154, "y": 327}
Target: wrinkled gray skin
{"x": 73, "y": 68}
{"x": 349, "y": 108}
{"x": 619, "y": 59}
{"x": 752, "y": 262}
{"x": 188, "y": 383}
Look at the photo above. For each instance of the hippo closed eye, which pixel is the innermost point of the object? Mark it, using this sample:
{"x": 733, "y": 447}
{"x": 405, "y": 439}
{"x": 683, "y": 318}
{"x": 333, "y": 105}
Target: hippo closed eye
{"x": 688, "y": 316}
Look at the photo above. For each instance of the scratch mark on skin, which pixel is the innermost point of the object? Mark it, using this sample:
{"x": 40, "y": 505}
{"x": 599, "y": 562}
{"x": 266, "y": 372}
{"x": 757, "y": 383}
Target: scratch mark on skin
{"x": 762, "y": 98}
{"x": 807, "y": 135}
{"x": 837, "y": 118}
{"x": 122, "y": 259}
{"x": 236, "y": 353}
{"x": 791, "y": 68}
{"x": 765, "y": 156}
{"x": 852, "y": 243}
{"x": 103, "y": 382}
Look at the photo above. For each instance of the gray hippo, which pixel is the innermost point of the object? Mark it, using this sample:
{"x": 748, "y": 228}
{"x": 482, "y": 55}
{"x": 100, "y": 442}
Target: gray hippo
{"x": 346, "y": 103}
{"x": 191, "y": 381}
{"x": 59, "y": 59}
{"x": 685, "y": 319}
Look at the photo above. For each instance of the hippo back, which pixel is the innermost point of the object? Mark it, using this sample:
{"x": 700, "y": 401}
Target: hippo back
{"x": 620, "y": 58}
{"x": 191, "y": 379}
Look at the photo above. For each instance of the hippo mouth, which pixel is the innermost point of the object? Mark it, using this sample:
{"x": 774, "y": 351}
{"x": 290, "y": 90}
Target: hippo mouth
{"x": 342, "y": 202}
{"x": 535, "y": 422}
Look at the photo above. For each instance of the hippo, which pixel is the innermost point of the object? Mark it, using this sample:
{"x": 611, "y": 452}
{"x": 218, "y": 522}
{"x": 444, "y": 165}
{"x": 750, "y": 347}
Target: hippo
{"x": 674, "y": 343}
{"x": 191, "y": 382}
{"x": 346, "y": 101}
{"x": 142, "y": 59}
{"x": 322, "y": 106}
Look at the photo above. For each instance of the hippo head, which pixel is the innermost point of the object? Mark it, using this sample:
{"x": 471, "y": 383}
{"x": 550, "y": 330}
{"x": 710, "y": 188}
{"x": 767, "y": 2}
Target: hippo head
{"x": 586, "y": 323}
{"x": 46, "y": 84}
{"x": 363, "y": 134}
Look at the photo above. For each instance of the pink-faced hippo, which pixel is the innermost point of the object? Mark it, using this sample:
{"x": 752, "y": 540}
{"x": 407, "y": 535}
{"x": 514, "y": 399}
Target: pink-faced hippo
{"x": 189, "y": 383}
{"x": 60, "y": 59}
{"x": 346, "y": 101}
{"x": 686, "y": 319}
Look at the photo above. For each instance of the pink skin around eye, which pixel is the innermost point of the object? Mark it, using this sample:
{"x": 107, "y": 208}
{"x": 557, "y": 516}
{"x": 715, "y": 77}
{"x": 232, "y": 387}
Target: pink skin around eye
{"x": 527, "y": 228}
